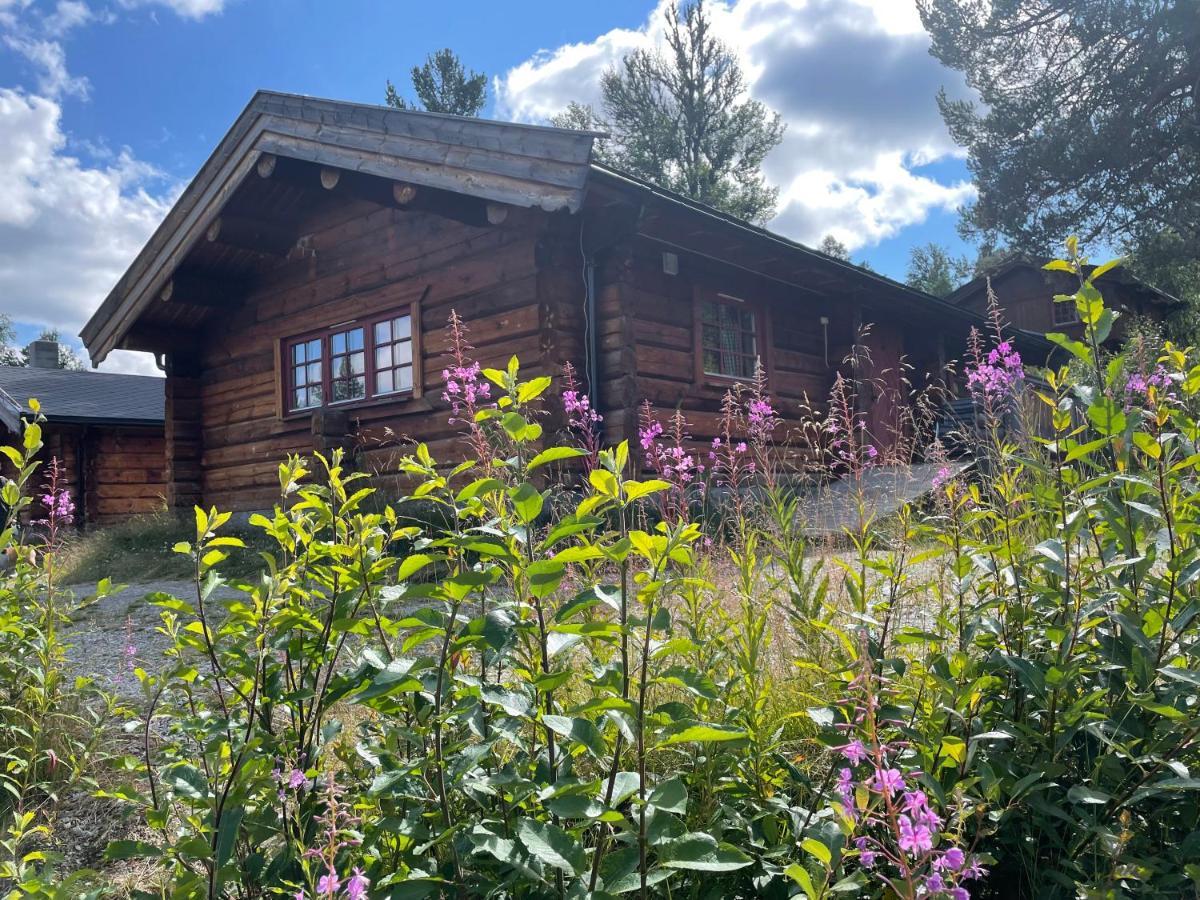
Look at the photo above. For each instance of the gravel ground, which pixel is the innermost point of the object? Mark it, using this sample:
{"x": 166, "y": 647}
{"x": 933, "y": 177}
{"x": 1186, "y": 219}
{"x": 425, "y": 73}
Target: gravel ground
{"x": 101, "y": 632}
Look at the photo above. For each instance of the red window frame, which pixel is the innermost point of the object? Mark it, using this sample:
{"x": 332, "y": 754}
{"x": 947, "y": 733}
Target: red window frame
{"x": 326, "y": 335}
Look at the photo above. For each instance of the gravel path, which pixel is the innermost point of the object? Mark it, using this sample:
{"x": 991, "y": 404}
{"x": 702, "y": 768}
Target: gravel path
{"x": 101, "y": 632}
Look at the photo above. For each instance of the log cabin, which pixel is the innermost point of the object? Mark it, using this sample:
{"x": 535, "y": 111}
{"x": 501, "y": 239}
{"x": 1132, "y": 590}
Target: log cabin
{"x": 105, "y": 430}
{"x": 298, "y": 292}
{"x": 1026, "y": 292}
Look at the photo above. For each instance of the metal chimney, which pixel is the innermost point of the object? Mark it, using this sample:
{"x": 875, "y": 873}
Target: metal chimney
{"x": 43, "y": 355}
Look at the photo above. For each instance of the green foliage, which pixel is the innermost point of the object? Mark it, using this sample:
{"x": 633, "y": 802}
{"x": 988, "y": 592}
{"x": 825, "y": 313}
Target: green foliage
{"x": 1086, "y": 120}
{"x": 443, "y": 85}
{"x": 680, "y": 118}
{"x": 932, "y": 269}
{"x": 536, "y": 693}
{"x": 53, "y": 731}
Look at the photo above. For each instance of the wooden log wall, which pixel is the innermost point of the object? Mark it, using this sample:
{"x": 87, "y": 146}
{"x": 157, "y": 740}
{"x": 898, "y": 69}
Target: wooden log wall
{"x": 647, "y": 342}
{"x": 361, "y": 259}
{"x": 110, "y": 472}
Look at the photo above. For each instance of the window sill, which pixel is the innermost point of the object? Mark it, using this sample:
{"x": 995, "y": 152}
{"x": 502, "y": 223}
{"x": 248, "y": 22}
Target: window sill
{"x": 406, "y": 404}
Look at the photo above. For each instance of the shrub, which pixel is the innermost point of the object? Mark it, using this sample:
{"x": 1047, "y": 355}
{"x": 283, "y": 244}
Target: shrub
{"x": 534, "y": 675}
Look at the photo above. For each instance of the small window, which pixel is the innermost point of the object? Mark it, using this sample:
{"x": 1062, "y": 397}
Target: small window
{"x": 351, "y": 362}
{"x": 1065, "y": 313}
{"x": 393, "y": 355}
{"x": 729, "y": 338}
{"x": 347, "y": 365}
{"x": 307, "y": 378}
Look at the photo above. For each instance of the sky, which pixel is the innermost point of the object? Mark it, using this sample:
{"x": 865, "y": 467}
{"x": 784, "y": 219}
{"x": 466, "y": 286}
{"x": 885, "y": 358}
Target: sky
{"x": 109, "y": 107}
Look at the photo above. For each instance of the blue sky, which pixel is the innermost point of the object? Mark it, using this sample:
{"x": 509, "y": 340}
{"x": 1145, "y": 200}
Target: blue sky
{"x": 107, "y": 107}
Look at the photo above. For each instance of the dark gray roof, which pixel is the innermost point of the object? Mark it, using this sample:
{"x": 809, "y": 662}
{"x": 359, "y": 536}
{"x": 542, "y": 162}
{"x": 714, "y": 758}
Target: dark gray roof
{"x": 83, "y": 397}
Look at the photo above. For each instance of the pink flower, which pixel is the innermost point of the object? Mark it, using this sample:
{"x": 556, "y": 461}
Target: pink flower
{"x": 942, "y": 478}
{"x": 914, "y": 838}
{"x": 855, "y": 752}
{"x": 356, "y": 887}
{"x": 953, "y": 859}
{"x": 328, "y": 884}
{"x": 888, "y": 781}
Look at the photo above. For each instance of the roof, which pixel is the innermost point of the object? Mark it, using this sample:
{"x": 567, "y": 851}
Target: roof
{"x": 505, "y": 162}
{"x": 68, "y": 396}
{"x": 879, "y": 287}
{"x": 1120, "y": 274}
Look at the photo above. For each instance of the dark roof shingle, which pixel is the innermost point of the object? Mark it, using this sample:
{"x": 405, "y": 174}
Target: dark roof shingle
{"x": 75, "y": 396}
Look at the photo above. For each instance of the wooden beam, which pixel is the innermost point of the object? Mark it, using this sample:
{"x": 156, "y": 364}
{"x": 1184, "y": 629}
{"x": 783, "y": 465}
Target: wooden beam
{"x": 251, "y": 234}
{"x": 496, "y": 213}
{"x": 266, "y": 165}
{"x": 157, "y": 339}
{"x": 330, "y": 177}
{"x": 194, "y": 288}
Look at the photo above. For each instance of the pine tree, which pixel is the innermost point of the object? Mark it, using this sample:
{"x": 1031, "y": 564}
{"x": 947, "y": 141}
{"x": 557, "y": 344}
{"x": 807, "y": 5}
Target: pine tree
{"x": 443, "y": 85}
{"x": 680, "y": 118}
{"x": 932, "y": 269}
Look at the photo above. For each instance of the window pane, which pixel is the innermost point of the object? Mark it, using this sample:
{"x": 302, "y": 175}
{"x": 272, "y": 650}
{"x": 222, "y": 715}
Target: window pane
{"x": 748, "y": 344}
{"x": 383, "y": 332}
{"x": 404, "y": 378}
{"x": 355, "y": 339}
{"x": 402, "y": 352}
{"x": 358, "y": 363}
{"x": 314, "y": 349}
{"x": 712, "y": 336}
{"x": 297, "y": 353}
{"x": 316, "y": 395}
{"x": 383, "y": 357}
{"x": 746, "y": 320}
{"x": 709, "y": 312}
{"x": 349, "y": 389}
{"x": 402, "y": 327}
{"x": 337, "y": 343}
{"x": 383, "y": 381}
{"x": 314, "y": 373}
{"x": 299, "y": 398}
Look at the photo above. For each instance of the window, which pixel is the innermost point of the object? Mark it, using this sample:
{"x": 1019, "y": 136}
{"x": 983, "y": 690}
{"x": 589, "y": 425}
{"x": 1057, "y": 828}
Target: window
{"x": 728, "y": 338}
{"x": 350, "y": 362}
{"x": 1065, "y": 313}
{"x": 307, "y": 381}
{"x": 393, "y": 355}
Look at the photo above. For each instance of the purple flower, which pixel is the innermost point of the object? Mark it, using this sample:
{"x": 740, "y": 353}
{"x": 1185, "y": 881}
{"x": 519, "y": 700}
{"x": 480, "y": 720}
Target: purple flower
{"x": 356, "y": 887}
{"x": 953, "y": 859}
{"x": 855, "y": 752}
{"x": 995, "y": 378}
{"x": 974, "y": 869}
{"x": 935, "y": 884}
{"x": 648, "y": 434}
{"x": 865, "y": 856}
{"x": 959, "y": 893}
{"x": 914, "y": 837}
{"x": 942, "y": 478}
{"x": 297, "y": 781}
{"x": 328, "y": 884}
{"x": 888, "y": 781}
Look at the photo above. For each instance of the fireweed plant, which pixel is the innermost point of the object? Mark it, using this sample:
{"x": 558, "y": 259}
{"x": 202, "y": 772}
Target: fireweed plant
{"x": 569, "y": 686}
{"x": 53, "y": 729}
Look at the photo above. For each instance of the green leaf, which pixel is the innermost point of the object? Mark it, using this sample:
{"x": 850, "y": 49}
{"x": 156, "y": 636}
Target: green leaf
{"x": 579, "y": 730}
{"x": 553, "y": 846}
{"x": 527, "y": 502}
{"x": 119, "y": 850}
{"x": 702, "y": 734}
{"x": 554, "y": 454}
{"x": 670, "y": 796}
{"x": 701, "y": 852}
{"x": 532, "y": 389}
{"x": 1081, "y": 794}
{"x": 819, "y": 850}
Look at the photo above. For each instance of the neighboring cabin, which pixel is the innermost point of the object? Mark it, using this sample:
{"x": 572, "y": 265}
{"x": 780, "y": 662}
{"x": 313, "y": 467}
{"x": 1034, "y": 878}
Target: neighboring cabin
{"x": 105, "y": 430}
{"x": 1025, "y": 292}
{"x": 298, "y": 292}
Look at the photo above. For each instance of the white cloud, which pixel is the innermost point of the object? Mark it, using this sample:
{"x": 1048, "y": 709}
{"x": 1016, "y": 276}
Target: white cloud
{"x": 53, "y": 79}
{"x": 187, "y": 9}
{"x": 67, "y": 230}
{"x": 852, "y": 78}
